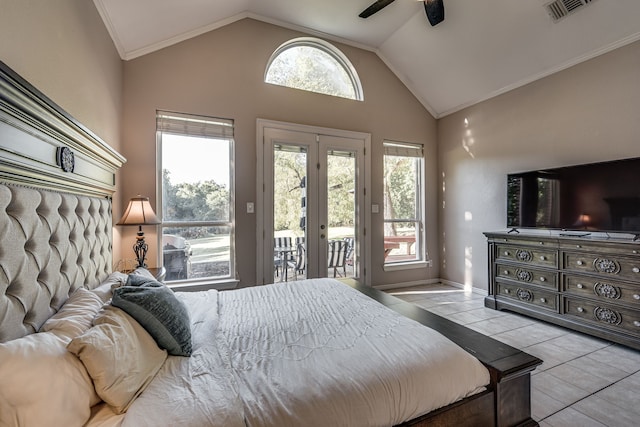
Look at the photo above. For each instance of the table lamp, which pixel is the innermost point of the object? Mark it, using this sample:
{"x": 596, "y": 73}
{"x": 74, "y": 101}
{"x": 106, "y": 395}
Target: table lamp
{"x": 582, "y": 221}
{"x": 139, "y": 213}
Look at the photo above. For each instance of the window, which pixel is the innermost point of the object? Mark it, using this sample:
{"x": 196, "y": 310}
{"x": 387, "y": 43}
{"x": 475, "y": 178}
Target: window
{"x": 539, "y": 192}
{"x": 404, "y": 240}
{"x": 195, "y": 175}
{"x": 314, "y": 65}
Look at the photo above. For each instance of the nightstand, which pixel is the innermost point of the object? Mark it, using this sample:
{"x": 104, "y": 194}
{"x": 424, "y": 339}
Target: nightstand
{"x": 158, "y": 272}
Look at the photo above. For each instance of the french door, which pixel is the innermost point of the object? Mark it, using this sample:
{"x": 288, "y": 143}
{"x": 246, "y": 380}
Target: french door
{"x": 312, "y": 215}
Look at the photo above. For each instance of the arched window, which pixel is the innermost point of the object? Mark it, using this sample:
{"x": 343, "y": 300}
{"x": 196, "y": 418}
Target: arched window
{"x": 314, "y": 65}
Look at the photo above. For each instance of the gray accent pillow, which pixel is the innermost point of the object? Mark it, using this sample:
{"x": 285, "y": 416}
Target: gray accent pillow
{"x": 158, "y": 311}
{"x": 140, "y": 280}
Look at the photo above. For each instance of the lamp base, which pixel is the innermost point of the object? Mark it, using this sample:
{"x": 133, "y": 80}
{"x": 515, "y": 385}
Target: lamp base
{"x": 140, "y": 248}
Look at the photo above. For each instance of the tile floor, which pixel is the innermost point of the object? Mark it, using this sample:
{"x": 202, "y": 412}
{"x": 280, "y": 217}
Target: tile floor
{"x": 584, "y": 381}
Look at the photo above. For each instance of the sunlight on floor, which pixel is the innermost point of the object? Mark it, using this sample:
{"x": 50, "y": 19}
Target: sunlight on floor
{"x": 424, "y": 292}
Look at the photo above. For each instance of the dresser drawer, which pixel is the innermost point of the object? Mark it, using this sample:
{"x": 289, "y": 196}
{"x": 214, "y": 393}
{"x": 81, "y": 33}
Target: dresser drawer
{"x": 527, "y": 255}
{"x": 602, "y": 289}
{"x": 515, "y": 239}
{"x": 528, "y": 295}
{"x": 606, "y": 265}
{"x": 603, "y": 315}
{"x": 630, "y": 249}
{"x": 525, "y": 274}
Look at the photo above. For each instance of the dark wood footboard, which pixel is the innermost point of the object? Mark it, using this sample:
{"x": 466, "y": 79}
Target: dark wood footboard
{"x": 507, "y": 402}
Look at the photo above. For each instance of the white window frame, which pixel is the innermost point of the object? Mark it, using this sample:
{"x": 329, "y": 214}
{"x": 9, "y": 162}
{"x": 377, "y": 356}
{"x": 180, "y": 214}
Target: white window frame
{"x": 327, "y": 48}
{"x": 193, "y": 125}
{"x": 414, "y": 150}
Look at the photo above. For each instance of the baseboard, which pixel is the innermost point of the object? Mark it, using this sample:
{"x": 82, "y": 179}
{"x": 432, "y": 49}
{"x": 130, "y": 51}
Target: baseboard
{"x": 406, "y": 284}
{"x": 482, "y": 292}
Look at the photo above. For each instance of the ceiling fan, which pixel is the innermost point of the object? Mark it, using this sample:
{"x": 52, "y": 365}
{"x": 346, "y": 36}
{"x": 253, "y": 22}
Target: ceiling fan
{"x": 433, "y": 8}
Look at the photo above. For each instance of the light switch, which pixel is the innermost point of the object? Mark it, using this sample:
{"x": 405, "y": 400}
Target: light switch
{"x": 250, "y": 207}
{"x": 375, "y": 208}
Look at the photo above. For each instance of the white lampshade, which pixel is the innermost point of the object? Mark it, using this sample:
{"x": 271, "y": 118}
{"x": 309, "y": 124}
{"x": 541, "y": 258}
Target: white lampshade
{"x": 139, "y": 212}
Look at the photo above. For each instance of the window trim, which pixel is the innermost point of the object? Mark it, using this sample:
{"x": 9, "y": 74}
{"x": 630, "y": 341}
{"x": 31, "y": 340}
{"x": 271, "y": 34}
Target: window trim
{"x": 327, "y": 48}
{"x": 193, "y": 127}
{"x": 408, "y": 149}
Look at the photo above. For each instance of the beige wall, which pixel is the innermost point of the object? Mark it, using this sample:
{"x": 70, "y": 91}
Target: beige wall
{"x": 63, "y": 49}
{"x": 221, "y": 74}
{"x": 588, "y": 113}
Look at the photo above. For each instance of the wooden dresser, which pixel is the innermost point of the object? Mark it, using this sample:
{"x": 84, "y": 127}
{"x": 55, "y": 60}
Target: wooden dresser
{"x": 587, "y": 284}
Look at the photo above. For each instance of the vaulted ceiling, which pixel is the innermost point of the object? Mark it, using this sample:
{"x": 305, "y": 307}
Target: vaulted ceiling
{"x": 482, "y": 49}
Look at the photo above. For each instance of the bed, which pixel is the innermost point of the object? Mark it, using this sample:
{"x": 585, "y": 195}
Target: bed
{"x": 76, "y": 350}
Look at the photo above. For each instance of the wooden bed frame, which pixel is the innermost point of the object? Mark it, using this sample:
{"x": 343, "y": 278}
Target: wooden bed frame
{"x": 42, "y": 147}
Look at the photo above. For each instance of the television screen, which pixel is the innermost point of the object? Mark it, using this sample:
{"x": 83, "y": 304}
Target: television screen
{"x": 591, "y": 197}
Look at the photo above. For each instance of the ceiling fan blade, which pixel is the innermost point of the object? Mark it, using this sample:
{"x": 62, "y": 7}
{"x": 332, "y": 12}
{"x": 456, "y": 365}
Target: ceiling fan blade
{"x": 375, "y": 7}
{"x": 435, "y": 11}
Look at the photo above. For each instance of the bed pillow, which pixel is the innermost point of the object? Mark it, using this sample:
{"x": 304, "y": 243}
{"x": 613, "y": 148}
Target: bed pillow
{"x": 141, "y": 271}
{"x": 75, "y": 316}
{"x": 119, "y": 355}
{"x": 114, "y": 280}
{"x": 41, "y": 383}
{"x": 157, "y": 309}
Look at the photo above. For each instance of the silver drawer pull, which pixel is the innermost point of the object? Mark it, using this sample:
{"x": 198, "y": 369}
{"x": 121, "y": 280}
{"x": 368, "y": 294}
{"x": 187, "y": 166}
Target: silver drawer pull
{"x": 506, "y": 253}
{"x": 636, "y": 323}
{"x": 506, "y": 291}
{"x": 579, "y": 246}
{"x": 543, "y": 300}
{"x": 580, "y": 262}
{"x": 636, "y": 296}
{"x": 579, "y": 286}
{"x": 543, "y": 279}
{"x": 635, "y": 270}
{"x": 635, "y": 251}
{"x": 580, "y": 310}
{"x": 543, "y": 258}
{"x": 506, "y": 272}
{"x": 542, "y": 243}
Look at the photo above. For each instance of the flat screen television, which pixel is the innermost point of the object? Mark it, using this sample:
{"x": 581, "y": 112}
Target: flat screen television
{"x": 591, "y": 197}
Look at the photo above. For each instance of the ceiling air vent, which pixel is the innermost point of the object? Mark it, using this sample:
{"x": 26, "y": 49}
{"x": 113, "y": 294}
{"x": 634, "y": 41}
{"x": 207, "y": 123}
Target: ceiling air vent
{"x": 561, "y": 8}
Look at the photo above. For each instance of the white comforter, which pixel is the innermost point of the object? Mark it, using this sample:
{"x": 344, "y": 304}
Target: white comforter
{"x": 312, "y": 353}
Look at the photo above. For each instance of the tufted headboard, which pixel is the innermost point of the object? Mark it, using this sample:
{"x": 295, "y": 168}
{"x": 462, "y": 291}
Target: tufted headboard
{"x": 52, "y": 243}
{"x": 56, "y": 183}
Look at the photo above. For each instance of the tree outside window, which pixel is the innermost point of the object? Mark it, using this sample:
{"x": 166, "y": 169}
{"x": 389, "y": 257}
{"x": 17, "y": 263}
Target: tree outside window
{"x": 313, "y": 65}
{"x": 290, "y": 165}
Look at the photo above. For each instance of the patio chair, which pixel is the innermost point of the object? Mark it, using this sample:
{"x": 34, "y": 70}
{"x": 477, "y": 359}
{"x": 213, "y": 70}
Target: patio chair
{"x": 337, "y": 256}
{"x": 281, "y": 256}
{"x": 300, "y": 263}
{"x": 349, "y": 258}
